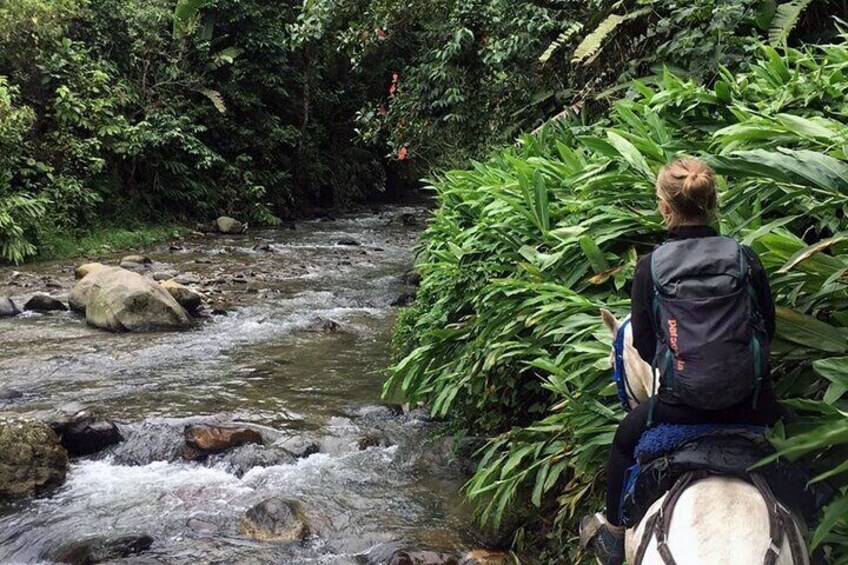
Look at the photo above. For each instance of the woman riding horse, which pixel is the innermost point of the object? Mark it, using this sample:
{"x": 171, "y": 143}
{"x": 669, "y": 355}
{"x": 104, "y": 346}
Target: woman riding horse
{"x": 687, "y": 200}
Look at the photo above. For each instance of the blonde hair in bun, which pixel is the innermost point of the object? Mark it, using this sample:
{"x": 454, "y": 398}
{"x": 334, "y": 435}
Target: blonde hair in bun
{"x": 688, "y": 186}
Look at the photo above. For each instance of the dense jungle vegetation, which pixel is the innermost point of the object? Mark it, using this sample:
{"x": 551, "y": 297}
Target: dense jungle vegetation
{"x": 123, "y": 112}
{"x": 527, "y": 246}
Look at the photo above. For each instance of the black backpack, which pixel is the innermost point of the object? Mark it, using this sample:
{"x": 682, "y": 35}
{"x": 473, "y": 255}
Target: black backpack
{"x": 712, "y": 348}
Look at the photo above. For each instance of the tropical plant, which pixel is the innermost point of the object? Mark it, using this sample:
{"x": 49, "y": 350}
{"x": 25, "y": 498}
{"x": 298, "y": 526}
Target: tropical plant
{"x": 527, "y": 246}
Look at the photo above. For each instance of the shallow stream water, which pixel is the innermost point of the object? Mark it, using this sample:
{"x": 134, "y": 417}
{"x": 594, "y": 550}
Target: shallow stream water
{"x": 300, "y": 355}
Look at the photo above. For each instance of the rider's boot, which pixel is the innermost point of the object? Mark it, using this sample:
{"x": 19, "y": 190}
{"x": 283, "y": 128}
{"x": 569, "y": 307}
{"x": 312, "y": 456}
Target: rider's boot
{"x": 603, "y": 539}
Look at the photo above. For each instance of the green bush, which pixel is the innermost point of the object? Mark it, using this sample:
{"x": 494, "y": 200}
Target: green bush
{"x": 525, "y": 248}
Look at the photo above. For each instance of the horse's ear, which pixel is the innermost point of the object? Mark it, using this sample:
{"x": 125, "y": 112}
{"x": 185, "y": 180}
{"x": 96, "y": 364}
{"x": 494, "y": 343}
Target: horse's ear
{"x": 610, "y": 321}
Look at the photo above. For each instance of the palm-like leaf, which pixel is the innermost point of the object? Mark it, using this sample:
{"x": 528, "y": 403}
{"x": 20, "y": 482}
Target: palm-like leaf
{"x": 785, "y": 19}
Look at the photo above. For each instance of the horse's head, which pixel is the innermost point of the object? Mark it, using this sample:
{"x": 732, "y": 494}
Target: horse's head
{"x": 633, "y": 372}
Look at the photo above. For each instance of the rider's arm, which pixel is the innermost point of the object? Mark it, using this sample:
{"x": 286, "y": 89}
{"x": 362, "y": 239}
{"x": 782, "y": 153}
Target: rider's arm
{"x": 641, "y": 316}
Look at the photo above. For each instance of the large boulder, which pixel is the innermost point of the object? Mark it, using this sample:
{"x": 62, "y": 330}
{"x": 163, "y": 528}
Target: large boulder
{"x": 225, "y": 224}
{"x": 44, "y": 303}
{"x": 8, "y": 308}
{"x": 203, "y": 439}
{"x": 118, "y": 300}
{"x": 275, "y": 519}
{"x": 186, "y": 297}
{"x": 31, "y": 458}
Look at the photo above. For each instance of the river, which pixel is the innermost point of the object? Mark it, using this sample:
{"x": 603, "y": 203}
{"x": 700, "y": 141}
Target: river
{"x": 299, "y": 354}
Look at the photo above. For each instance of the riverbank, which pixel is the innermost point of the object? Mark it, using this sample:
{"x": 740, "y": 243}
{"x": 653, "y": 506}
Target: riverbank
{"x": 296, "y": 352}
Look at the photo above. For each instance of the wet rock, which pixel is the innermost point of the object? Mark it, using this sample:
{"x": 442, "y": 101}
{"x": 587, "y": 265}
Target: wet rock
{"x": 86, "y": 268}
{"x": 118, "y": 300}
{"x": 324, "y": 325}
{"x": 134, "y": 267}
{"x": 203, "y": 229}
{"x": 50, "y": 283}
{"x": 203, "y": 261}
{"x": 87, "y": 435}
{"x": 44, "y": 303}
{"x": 203, "y": 439}
{"x": 10, "y": 394}
{"x": 299, "y": 447}
{"x": 186, "y": 297}
{"x": 422, "y": 558}
{"x": 404, "y": 299}
{"x": 229, "y": 225}
{"x": 486, "y": 557}
{"x": 264, "y": 247}
{"x": 348, "y": 241}
{"x": 160, "y": 276}
{"x": 242, "y": 459}
{"x": 31, "y": 458}
{"x": 275, "y": 519}
{"x": 408, "y": 219}
{"x": 372, "y": 439}
{"x": 98, "y": 550}
{"x": 176, "y": 248}
{"x": 187, "y": 278}
{"x": 138, "y": 259}
{"x": 8, "y": 308}
{"x": 412, "y": 278}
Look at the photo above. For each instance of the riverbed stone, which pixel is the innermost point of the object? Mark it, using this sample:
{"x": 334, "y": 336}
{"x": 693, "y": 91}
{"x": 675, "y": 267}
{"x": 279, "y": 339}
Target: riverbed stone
{"x": 31, "y": 458}
{"x": 86, "y": 268}
{"x": 88, "y": 435}
{"x": 422, "y": 558}
{"x": 118, "y": 300}
{"x": 8, "y": 308}
{"x": 404, "y": 299}
{"x": 44, "y": 303}
{"x": 10, "y": 394}
{"x": 299, "y": 447}
{"x": 242, "y": 459}
{"x": 101, "y": 549}
{"x": 229, "y": 225}
{"x": 412, "y": 278}
{"x": 203, "y": 439}
{"x": 139, "y": 259}
{"x": 348, "y": 242}
{"x": 160, "y": 276}
{"x": 486, "y": 557}
{"x": 275, "y": 519}
{"x": 186, "y": 297}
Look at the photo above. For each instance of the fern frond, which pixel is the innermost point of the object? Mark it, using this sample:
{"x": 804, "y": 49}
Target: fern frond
{"x": 785, "y": 19}
{"x": 563, "y": 38}
{"x": 215, "y": 97}
{"x": 593, "y": 42}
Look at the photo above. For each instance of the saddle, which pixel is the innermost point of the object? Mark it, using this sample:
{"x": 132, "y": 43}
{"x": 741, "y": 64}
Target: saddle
{"x": 667, "y": 452}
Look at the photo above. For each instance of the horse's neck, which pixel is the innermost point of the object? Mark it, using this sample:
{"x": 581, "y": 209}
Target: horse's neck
{"x": 716, "y": 521}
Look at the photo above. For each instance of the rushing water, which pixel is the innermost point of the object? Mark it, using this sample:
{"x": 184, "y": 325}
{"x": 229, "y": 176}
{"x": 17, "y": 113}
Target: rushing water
{"x": 270, "y": 362}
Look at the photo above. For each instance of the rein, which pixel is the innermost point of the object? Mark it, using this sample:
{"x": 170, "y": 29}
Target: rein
{"x": 781, "y": 523}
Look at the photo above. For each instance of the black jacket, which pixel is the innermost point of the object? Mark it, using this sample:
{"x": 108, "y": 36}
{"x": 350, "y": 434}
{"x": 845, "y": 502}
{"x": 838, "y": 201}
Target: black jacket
{"x": 642, "y": 293}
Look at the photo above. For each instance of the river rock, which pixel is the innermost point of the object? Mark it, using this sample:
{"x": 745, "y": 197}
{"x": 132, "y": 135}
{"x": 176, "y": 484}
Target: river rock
{"x": 138, "y": 259}
{"x": 86, "y": 435}
{"x": 299, "y": 447}
{"x": 348, "y": 241}
{"x": 408, "y": 219}
{"x": 372, "y": 439}
{"x": 404, "y": 299}
{"x": 242, "y": 459}
{"x": 486, "y": 557}
{"x": 203, "y": 439}
{"x": 275, "y": 519}
{"x": 44, "y": 303}
{"x": 86, "y": 268}
{"x": 8, "y": 308}
{"x": 31, "y": 458}
{"x": 160, "y": 276}
{"x": 412, "y": 278}
{"x": 10, "y": 394}
{"x": 116, "y": 299}
{"x": 98, "y": 550}
{"x": 422, "y": 558}
{"x": 226, "y": 224}
{"x": 186, "y": 297}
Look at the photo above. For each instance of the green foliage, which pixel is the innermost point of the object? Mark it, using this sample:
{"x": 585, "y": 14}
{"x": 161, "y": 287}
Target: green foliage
{"x": 785, "y": 19}
{"x": 526, "y": 247}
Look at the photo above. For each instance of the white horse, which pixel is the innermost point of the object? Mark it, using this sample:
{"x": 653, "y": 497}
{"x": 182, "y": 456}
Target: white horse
{"x": 716, "y": 520}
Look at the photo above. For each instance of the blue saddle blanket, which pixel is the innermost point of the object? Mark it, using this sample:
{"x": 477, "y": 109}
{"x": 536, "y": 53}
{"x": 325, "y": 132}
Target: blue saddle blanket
{"x": 665, "y": 438}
